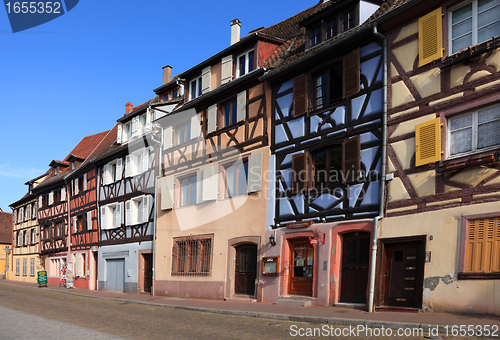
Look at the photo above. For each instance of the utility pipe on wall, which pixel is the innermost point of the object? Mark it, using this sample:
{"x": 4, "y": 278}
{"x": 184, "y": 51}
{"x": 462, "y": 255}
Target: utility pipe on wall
{"x": 376, "y": 220}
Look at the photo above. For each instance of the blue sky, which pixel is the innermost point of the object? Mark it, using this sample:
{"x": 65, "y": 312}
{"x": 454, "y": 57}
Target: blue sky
{"x": 71, "y": 77}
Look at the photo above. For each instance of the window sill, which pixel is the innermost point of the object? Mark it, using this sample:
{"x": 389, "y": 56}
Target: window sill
{"x": 478, "y": 276}
{"x": 460, "y": 162}
{"x": 469, "y": 53}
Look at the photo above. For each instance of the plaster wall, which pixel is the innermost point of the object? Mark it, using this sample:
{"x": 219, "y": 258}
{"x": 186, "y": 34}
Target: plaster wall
{"x": 443, "y": 292}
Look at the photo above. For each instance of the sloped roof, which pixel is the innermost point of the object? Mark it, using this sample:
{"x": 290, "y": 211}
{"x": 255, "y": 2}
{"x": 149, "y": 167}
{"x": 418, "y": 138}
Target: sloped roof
{"x": 294, "y": 48}
{"x": 135, "y": 109}
{"x": 82, "y": 150}
{"x": 6, "y": 225}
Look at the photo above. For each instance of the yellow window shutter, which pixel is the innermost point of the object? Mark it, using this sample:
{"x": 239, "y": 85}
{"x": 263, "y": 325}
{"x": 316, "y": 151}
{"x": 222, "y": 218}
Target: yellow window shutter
{"x": 428, "y": 142}
{"x": 430, "y": 37}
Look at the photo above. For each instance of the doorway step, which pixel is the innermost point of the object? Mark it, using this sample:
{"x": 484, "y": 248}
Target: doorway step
{"x": 351, "y": 305}
{"x": 397, "y": 309}
{"x": 296, "y": 300}
{"x": 241, "y": 297}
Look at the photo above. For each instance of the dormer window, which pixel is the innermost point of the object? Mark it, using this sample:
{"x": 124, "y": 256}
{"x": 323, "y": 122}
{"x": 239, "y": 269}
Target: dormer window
{"x": 73, "y": 165}
{"x": 56, "y": 171}
{"x": 195, "y": 89}
{"x": 245, "y": 63}
{"x": 331, "y": 26}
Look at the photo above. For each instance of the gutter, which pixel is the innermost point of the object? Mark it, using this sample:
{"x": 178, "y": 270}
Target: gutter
{"x": 376, "y": 220}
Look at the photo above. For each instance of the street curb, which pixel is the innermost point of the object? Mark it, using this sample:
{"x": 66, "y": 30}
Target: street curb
{"x": 276, "y": 316}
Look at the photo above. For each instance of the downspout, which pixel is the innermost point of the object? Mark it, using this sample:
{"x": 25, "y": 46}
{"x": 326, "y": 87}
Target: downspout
{"x": 156, "y": 203}
{"x": 376, "y": 220}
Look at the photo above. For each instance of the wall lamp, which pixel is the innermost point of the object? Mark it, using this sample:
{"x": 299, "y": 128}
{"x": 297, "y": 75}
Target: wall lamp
{"x": 272, "y": 240}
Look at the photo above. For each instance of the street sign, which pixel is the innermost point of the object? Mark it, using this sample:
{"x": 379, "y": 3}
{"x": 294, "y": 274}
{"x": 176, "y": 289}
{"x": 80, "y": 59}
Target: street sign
{"x": 313, "y": 241}
{"x": 42, "y": 278}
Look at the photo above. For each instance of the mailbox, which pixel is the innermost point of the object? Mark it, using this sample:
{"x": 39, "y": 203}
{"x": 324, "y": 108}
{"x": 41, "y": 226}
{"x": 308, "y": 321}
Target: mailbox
{"x": 271, "y": 265}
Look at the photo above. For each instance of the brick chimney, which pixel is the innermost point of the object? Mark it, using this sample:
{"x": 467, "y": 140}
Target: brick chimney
{"x": 167, "y": 74}
{"x": 235, "y": 31}
{"x": 128, "y": 107}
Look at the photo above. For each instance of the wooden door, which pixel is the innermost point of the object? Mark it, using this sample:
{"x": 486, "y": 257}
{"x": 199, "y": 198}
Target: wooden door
{"x": 148, "y": 272}
{"x": 246, "y": 269}
{"x": 301, "y": 267}
{"x": 355, "y": 261}
{"x": 96, "y": 271}
{"x": 404, "y": 274}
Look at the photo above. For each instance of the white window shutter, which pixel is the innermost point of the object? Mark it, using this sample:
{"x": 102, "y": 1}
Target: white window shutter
{"x": 212, "y": 118}
{"x": 145, "y": 159}
{"x": 134, "y": 126}
{"x": 145, "y": 208}
{"x": 122, "y": 214}
{"x": 119, "y": 169}
{"x": 63, "y": 194}
{"x": 140, "y": 125}
{"x": 75, "y": 228}
{"x": 206, "y": 79}
{"x": 149, "y": 118}
{"x": 195, "y": 126}
{"x": 103, "y": 218}
{"x": 89, "y": 220}
{"x": 199, "y": 186}
{"x": 34, "y": 211}
{"x": 241, "y": 105}
{"x": 119, "y": 134}
{"x": 39, "y": 201}
{"x": 76, "y": 186}
{"x": 51, "y": 198}
{"x": 127, "y": 166}
{"x": 127, "y": 212}
{"x": 167, "y": 193}
{"x": 210, "y": 182}
{"x": 84, "y": 182}
{"x": 118, "y": 216}
{"x": 227, "y": 69}
{"x": 167, "y": 138}
{"x": 254, "y": 182}
{"x": 105, "y": 175}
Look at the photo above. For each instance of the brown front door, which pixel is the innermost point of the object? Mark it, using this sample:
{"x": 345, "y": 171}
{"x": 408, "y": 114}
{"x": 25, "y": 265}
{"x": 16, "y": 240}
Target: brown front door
{"x": 355, "y": 260}
{"x": 148, "y": 272}
{"x": 301, "y": 267}
{"x": 403, "y": 274}
{"x": 246, "y": 269}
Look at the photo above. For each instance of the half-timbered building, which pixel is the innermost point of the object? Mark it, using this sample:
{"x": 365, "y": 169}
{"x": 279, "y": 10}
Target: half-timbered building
{"x": 26, "y": 259}
{"x": 83, "y": 215}
{"x": 212, "y": 195}
{"x": 327, "y": 110}
{"x": 53, "y": 211}
{"x": 439, "y": 241}
{"x": 126, "y": 174}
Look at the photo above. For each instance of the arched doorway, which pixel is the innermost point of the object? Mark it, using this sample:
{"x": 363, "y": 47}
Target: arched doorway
{"x": 355, "y": 263}
{"x": 246, "y": 269}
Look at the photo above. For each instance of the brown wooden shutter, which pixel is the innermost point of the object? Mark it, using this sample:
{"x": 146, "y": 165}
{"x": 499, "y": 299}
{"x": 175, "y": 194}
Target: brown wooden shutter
{"x": 430, "y": 37}
{"x": 351, "y": 159}
{"x": 299, "y": 172}
{"x": 299, "y": 96}
{"x": 351, "y": 74}
{"x": 428, "y": 142}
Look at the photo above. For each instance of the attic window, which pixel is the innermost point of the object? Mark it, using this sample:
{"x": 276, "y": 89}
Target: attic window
{"x": 56, "y": 171}
{"x": 73, "y": 165}
{"x": 331, "y": 26}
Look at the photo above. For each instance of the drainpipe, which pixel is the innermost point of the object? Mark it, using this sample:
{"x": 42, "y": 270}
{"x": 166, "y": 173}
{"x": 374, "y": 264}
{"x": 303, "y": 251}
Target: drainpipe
{"x": 376, "y": 220}
{"x": 160, "y": 152}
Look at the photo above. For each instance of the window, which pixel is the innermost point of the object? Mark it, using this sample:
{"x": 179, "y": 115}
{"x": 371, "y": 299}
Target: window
{"x": 33, "y": 236}
{"x": 165, "y": 97}
{"x": 322, "y": 168}
{"x": 81, "y": 222}
{"x": 19, "y": 238}
{"x": 111, "y": 216}
{"x": 137, "y": 162}
{"x": 195, "y": 89}
{"x": 17, "y": 267}
{"x": 331, "y": 26}
{"x": 27, "y": 214}
{"x": 20, "y": 215}
{"x": 57, "y": 196}
{"x": 183, "y": 133}
{"x": 32, "y": 267}
{"x": 228, "y": 113}
{"x": 25, "y": 267}
{"x": 59, "y": 229}
{"x": 46, "y": 232}
{"x": 26, "y": 240}
{"x": 236, "y": 179}
{"x": 480, "y": 246}
{"x": 474, "y": 23}
{"x": 113, "y": 171}
{"x": 245, "y": 63}
{"x": 474, "y": 131}
{"x": 139, "y": 209}
{"x": 328, "y": 87}
{"x": 315, "y": 36}
{"x": 348, "y": 19}
{"x": 33, "y": 211}
{"x": 192, "y": 256}
{"x": 188, "y": 190}
{"x": 127, "y": 131}
{"x": 175, "y": 94}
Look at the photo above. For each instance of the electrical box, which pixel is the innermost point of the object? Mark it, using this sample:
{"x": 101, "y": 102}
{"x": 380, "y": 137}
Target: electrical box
{"x": 271, "y": 265}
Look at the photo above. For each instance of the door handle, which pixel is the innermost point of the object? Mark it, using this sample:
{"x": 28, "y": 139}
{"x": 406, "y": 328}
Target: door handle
{"x": 387, "y": 273}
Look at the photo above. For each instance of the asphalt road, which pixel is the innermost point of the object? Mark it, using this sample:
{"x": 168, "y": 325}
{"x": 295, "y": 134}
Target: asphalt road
{"x": 54, "y": 315}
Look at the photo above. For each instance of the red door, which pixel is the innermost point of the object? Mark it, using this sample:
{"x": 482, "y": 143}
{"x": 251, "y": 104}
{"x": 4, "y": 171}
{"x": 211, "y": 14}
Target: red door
{"x": 301, "y": 267}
